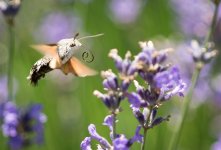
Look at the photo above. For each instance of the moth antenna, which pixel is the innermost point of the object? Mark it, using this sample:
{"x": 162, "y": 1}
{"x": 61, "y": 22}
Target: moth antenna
{"x": 91, "y": 36}
{"x": 76, "y": 35}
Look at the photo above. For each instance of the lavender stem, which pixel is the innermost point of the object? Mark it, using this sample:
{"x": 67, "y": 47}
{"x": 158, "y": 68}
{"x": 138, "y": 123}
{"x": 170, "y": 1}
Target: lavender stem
{"x": 144, "y": 139}
{"x": 114, "y": 125}
{"x": 213, "y": 24}
{"x": 177, "y": 134}
{"x": 146, "y": 127}
{"x": 10, "y": 60}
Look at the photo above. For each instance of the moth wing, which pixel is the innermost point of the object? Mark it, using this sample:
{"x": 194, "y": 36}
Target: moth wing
{"x": 46, "y": 49}
{"x": 80, "y": 69}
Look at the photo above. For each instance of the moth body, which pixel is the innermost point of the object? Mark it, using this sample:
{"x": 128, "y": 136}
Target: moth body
{"x": 66, "y": 49}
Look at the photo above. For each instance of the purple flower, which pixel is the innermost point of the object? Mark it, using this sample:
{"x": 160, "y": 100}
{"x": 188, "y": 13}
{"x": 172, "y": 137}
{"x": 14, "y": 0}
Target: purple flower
{"x": 119, "y": 143}
{"x": 151, "y": 61}
{"x": 170, "y": 83}
{"x": 115, "y": 91}
{"x": 195, "y": 19}
{"x": 137, "y": 137}
{"x": 33, "y": 121}
{"x": 217, "y": 145}
{"x": 125, "y": 11}
{"x": 9, "y": 8}
{"x": 86, "y": 144}
{"x": 94, "y": 135}
{"x": 108, "y": 121}
{"x": 50, "y": 30}
{"x": 202, "y": 55}
{"x": 10, "y": 119}
{"x": 19, "y": 124}
{"x": 162, "y": 82}
{"x": 202, "y": 91}
{"x": 126, "y": 67}
{"x": 122, "y": 143}
{"x": 110, "y": 80}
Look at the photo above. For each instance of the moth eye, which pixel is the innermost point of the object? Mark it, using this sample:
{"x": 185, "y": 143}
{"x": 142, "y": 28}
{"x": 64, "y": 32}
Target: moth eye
{"x": 72, "y": 45}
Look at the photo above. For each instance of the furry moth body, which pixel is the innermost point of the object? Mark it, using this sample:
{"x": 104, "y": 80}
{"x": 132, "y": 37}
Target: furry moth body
{"x": 59, "y": 56}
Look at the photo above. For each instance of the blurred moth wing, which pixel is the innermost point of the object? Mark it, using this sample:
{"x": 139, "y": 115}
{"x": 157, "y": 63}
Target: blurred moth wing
{"x": 79, "y": 69}
{"x": 46, "y": 49}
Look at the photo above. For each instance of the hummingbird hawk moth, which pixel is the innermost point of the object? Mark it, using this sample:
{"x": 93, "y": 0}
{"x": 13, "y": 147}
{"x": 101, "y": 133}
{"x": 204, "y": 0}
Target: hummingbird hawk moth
{"x": 60, "y": 56}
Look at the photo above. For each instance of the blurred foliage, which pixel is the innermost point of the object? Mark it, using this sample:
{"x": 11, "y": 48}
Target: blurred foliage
{"x": 68, "y": 101}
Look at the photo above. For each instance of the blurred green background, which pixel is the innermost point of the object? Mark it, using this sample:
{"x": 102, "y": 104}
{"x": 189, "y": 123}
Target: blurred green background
{"x": 68, "y": 101}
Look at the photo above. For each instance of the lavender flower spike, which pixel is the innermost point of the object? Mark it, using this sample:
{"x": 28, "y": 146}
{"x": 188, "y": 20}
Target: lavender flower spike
{"x": 19, "y": 124}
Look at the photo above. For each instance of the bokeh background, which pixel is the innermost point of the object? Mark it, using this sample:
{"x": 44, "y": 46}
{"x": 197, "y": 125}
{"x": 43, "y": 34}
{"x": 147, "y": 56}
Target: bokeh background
{"x": 69, "y": 102}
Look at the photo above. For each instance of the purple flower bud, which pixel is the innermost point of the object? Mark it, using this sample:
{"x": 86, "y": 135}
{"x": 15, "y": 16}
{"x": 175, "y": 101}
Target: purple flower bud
{"x": 10, "y": 8}
{"x": 117, "y": 59}
{"x": 104, "y": 97}
{"x": 108, "y": 121}
{"x": 135, "y": 100}
{"x": 139, "y": 115}
{"x": 110, "y": 81}
{"x": 170, "y": 83}
{"x": 153, "y": 114}
{"x": 137, "y": 137}
{"x": 144, "y": 57}
{"x": 125, "y": 85}
{"x": 86, "y": 144}
{"x": 159, "y": 120}
{"x": 121, "y": 143}
{"x": 202, "y": 54}
{"x": 126, "y": 67}
{"x": 96, "y": 136}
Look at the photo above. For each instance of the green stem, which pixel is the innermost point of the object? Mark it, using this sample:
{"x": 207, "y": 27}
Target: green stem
{"x": 176, "y": 136}
{"x": 213, "y": 25}
{"x": 11, "y": 47}
{"x": 144, "y": 139}
{"x": 114, "y": 125}
{"x": 146, "y": 127}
